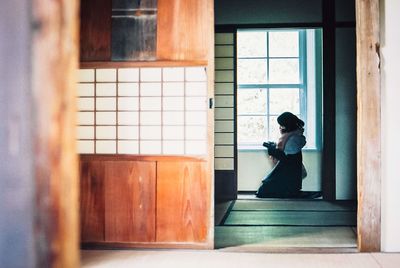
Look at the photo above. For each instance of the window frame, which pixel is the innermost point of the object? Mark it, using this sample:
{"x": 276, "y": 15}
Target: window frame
{"x": 301, "y": 85}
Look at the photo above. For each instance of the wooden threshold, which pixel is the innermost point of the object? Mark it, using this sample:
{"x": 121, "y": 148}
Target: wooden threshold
{"x": 130, "y": 64}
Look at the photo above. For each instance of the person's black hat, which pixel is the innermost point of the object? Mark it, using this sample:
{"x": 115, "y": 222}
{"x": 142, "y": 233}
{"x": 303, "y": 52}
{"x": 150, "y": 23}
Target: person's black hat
{"x": 290, "y": 121}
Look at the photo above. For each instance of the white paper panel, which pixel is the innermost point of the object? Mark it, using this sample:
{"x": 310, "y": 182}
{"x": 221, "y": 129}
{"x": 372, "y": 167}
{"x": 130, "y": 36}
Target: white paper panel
{"x": 128, "y": 75}
{"x": 106, "y": 75}
{"x": 85, "y": 132}
{"x": 150, "y": 147}
{"x": 196, "y": 147}
{"x": 150, "y": 118}
{"x": 173, "y": 103}
{"x": 128, "y": 103}
{"x": 195, "y": 132}
{"x": 173, "y": 74}
{"x": 224, "y": 88}
{"x": 105, "y": 147}
{"x": 224, "y": 38}
{"x": 128, "y": 132}
{"x": 128, "y": 118}
{"x": 173, "y": 133}
{"x": 195, "y": 103}
{"x": 196, "y": 118}
{"x": 224, "y": 113}
{"x": 224, "y": 51}
{"x": 224, "y": 63}
{"x": 224, "y": 138}
{"x": 150, "y": 103}
{"x": 195, "y": 74}
{"x": 106, "y": 132}
{"x": 173, "y": 147}
{"x": 150, "y": 89}
{"x": 173, "y": 89}
{"x": 128, "y": 89}
{"x": 224, "y": 126}
{"x": 106, "y": 104}
{"x": 106, "y": 118}
{"x": 150, "y": 132}
{"x": 196, "y": 89}
{"x": 173, "y": 118}
{"x": 224, "y": 76}
{"x": 86, "y": 75}
{"x": 85, "y": 104}
{"x": 150, "y": 74}
{"x": 223, "y": 163}
{"x": 224, "y": 151}
{"x": 85, "y": 118}
{"x": 128, "y": 147}
{"x": 106, "y": 89}
{"x": 223, "y": 101}
{"x": 86, "y": 90}
{"x": 85, "y": 147}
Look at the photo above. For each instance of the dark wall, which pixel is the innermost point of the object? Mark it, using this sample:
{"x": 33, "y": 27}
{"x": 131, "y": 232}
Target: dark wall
{"x": 267, "y": 11}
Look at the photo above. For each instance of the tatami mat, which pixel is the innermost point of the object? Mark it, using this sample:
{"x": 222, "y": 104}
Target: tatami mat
{"x": 293, "y": 218}
{"x": 313, "y": 205}
{"x": 264, "y": 237}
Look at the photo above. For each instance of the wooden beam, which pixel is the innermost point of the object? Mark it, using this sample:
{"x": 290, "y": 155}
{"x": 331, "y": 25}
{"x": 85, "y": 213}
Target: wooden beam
{"x": 53, "y": 77}
{"x": 368, "y": 125}
{"x": 329, "y": 107}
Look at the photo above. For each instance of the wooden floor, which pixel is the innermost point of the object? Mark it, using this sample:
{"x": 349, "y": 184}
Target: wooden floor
{"x": 277, "y": 225}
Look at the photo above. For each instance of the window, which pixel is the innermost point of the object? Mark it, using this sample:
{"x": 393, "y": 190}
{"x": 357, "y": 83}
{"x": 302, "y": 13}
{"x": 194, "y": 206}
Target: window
{"x": 277, "y": 72}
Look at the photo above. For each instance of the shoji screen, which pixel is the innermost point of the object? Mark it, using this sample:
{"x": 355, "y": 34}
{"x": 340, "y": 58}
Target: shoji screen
{"x": 224, "y": 101}
{"x": 142, "y": 111}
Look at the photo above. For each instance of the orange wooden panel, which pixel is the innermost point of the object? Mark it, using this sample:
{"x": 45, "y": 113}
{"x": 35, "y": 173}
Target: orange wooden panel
{"x": 183, "y": 202}
{"x": 92, "y": 201}
{"x": 183, "y": 29}
{"x": 95, "y": 30}
{"x": 130, "y": 201}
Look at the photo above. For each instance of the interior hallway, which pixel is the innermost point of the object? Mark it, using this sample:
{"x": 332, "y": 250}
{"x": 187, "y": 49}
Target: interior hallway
{"x": 210, "y": 259}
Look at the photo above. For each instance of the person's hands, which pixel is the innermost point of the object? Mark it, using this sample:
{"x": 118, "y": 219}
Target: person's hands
{"x": 269, "y": 145}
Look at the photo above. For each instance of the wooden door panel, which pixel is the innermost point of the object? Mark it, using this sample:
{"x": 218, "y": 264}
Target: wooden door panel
{"x": 182, "y": 202}
{"x": 130, "y": 201}
{"x": 182, "y": 29}
{"x": 95, "y": 30}
{"x": 92, "y": 201}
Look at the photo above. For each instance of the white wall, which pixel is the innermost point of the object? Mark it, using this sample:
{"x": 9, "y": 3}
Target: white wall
{"x": 390, "y": 66}
{"x": 253, "y": 166}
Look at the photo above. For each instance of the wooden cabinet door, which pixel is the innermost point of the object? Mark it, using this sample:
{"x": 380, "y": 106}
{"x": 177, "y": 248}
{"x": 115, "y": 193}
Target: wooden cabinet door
{"x": 130, "y": 201}
{"x": 92, "y": 200}
{"x": 183, "y": 201}
{"x": 95, "y": 30}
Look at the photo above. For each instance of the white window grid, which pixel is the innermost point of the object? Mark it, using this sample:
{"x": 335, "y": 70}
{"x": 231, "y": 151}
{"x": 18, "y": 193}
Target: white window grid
{"x": 142, "y": 111}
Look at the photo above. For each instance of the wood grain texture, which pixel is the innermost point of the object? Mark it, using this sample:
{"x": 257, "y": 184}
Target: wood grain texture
{"x": 183, "y": 202}
{"x": 130, "y": 201}
{"x": 368, "y": 114}
{"x": 92, "y": 175}
{"x": 95, "y": 30}
{"x": 54, "y": 27}
{"x": 138, "y": 64}
{"x": 183, "y": 29}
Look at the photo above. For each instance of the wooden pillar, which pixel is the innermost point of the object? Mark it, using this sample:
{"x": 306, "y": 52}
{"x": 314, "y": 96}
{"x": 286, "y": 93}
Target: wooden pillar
{"x": 368, "y": 126}
{"x": 329, "y": 105}
{"x": 38, "y": 171}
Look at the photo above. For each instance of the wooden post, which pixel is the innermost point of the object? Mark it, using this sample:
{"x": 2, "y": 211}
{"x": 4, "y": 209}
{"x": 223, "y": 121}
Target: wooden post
{"x": 368, "y": 126}
{"x": 54, "y": 69}
{"x": 38, "y": 171}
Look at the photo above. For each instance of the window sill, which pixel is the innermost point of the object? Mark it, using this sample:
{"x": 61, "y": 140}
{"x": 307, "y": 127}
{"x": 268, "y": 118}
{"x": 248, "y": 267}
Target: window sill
{"x": 262, "y": 148}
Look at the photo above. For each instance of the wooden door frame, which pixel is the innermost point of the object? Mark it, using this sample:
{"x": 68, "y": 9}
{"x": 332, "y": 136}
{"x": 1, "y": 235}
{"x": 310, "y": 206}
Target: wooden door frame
{"x": 368, "y": 126}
